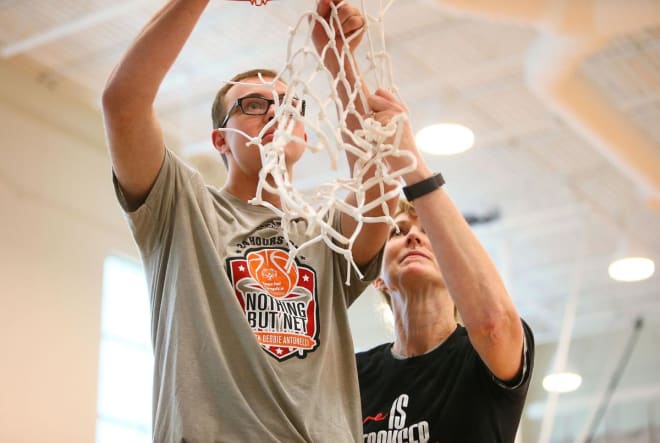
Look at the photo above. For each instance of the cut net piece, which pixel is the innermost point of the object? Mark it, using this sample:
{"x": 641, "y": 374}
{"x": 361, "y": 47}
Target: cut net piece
{"x": 327, "y": 124}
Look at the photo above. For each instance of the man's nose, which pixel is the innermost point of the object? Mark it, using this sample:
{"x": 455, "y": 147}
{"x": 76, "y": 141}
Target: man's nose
{"x": 270, "y": 114}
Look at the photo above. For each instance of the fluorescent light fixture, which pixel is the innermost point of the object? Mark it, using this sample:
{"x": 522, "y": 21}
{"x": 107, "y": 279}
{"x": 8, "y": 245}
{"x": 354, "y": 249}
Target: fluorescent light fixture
{"x": 562, "y": 382}
{"x": 444, "y": 139}
{"x": 630, "y": 269}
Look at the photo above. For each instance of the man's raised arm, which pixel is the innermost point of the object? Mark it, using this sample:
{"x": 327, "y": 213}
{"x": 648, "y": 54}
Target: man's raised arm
{"x": 372, "y": 237}
{"x": 134, "y": 134}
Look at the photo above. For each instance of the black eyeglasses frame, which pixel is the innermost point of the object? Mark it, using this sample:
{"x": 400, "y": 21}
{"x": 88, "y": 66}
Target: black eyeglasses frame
{"x": 238, "y": 104}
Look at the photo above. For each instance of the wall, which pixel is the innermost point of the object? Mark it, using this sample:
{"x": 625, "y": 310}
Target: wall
{"x": 58, "y": 222}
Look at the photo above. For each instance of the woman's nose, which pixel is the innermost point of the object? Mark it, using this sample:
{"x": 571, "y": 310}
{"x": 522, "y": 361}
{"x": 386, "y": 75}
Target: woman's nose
{"x": 414, "y": 236}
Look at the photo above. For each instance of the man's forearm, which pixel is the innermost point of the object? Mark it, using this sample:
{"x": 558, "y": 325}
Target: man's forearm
{"x": 134, "y": 135}
{"x": 138, "y": 76}
{"x": 352, "y": 89}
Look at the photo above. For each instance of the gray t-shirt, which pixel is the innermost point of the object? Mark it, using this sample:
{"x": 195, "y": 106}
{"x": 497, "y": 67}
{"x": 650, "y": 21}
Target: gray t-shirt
{"x": 245, "y": 349}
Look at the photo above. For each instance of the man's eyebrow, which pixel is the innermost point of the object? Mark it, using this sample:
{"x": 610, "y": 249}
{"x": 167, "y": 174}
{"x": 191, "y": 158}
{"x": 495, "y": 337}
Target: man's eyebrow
{"x": 268, "y": 96}
{"x": 255, "y": 94}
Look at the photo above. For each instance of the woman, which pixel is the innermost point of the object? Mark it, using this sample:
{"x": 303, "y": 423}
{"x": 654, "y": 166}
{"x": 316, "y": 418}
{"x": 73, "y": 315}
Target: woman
{"x": 440, "y": 381}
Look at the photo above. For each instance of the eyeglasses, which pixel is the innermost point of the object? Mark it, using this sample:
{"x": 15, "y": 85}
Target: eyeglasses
{"x": 255, "y": 105}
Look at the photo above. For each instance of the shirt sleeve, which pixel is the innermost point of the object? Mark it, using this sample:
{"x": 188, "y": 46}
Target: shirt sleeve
{"x": 357, "y": 284}
{"x": 523, "y": 377}
{"x": 151, "y": 219}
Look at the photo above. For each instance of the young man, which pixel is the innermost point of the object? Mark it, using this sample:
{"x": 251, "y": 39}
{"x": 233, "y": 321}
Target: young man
{"x": 440, "y": 381}
{"x": 245, "y": 348}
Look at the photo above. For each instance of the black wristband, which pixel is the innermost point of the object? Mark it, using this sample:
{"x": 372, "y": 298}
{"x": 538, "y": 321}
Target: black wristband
{"x": 424, "y": 187}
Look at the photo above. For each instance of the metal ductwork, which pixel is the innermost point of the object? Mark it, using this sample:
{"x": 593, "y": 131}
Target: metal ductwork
{"x": 569, "y": 32}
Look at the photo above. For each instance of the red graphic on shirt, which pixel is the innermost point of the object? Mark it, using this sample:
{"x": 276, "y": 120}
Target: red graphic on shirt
{"x": 398, "y": 426}
{"x": 279, "y": 301}
{"x": 378, "y": 417}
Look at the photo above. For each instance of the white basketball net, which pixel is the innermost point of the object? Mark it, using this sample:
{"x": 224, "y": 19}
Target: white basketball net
{"x": 325, "y": 123}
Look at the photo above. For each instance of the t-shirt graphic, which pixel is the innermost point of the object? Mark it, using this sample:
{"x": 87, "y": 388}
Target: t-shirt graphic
{"x": 398, "y": 428}
{"x": 279, "y": 302}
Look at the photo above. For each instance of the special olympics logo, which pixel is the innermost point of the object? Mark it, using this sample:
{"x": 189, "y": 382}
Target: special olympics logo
{"x": 268, "y": 267}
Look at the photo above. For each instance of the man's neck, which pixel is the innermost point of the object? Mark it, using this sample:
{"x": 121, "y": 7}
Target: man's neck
{"x": 246, "y": 189}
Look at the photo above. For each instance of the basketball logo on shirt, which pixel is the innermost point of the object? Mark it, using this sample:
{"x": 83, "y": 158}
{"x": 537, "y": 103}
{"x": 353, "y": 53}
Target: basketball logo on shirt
{"x": 268, "y": 267}
{"x": 279, "y": 301}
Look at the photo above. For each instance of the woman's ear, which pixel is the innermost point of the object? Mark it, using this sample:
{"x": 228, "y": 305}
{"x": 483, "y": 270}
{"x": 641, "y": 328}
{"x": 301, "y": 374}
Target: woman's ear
{"x": 379, "y": 284}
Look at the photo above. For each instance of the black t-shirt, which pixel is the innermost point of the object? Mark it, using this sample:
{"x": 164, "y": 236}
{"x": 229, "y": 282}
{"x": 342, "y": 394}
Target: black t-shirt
{"x": 445, "y": 396}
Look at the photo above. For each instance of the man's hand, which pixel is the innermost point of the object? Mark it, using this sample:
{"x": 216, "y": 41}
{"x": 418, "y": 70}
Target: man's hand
{"x": 348, "y": 22}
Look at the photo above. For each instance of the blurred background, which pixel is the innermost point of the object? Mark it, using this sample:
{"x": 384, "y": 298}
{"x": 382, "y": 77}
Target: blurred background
{"x": 562, "y": 178}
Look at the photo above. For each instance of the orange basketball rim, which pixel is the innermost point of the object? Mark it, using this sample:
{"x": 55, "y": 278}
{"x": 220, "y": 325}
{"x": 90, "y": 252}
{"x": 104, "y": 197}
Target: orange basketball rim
{"x": 254, "y": 2}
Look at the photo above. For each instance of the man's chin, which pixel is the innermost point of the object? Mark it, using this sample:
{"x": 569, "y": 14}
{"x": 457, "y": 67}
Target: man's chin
{"x": 293, "y": 151}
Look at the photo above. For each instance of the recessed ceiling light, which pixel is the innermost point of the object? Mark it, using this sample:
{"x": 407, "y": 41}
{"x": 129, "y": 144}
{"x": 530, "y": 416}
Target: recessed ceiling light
{"x": 445, "y": 139}
{"x": 631, "y": 269}
{"x": 562, "y": 382}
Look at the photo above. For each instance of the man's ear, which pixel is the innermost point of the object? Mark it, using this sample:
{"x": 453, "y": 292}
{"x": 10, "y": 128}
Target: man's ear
{"x": 219, "y": 142}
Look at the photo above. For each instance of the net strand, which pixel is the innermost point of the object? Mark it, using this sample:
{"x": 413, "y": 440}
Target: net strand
{"x": 371, "y": 144}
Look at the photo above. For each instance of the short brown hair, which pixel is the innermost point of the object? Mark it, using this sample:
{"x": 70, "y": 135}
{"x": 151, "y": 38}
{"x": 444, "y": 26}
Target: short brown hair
{"x": 218, "y": 112}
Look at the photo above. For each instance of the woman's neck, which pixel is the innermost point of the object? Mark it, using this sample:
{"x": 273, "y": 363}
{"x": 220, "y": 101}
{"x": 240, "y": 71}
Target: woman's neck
{"x": 423, "y": 320}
